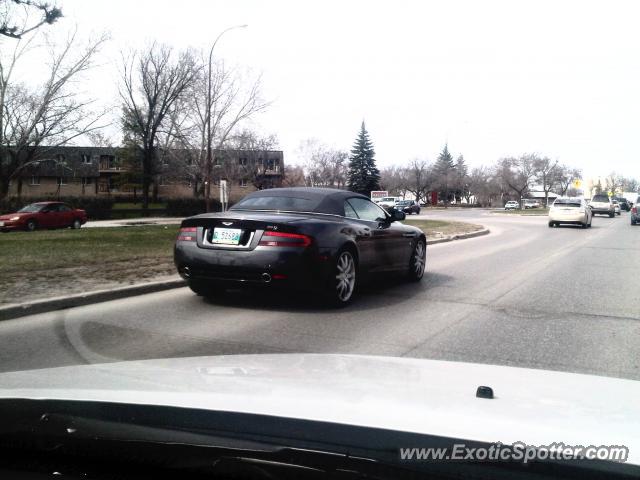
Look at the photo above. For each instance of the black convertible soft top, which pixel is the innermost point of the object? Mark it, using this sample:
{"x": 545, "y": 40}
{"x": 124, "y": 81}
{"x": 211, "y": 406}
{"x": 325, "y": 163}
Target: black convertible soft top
{"x": 298, "y": 199}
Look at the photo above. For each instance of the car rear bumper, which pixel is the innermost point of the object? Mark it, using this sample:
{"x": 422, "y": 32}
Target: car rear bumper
{"x": 568, "y": 218}
{"x": 602, "y": 211}
{"x": 290, "y": 267}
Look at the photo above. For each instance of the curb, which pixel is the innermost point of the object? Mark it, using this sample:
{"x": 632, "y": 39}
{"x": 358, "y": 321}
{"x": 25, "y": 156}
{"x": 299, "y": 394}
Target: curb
{"x": 461, "y": 236}
{"x": 61, "y": 303}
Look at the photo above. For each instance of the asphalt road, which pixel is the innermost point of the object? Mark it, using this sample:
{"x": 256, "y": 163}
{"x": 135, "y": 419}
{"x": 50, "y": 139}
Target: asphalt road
{"x": 561, "y": 299}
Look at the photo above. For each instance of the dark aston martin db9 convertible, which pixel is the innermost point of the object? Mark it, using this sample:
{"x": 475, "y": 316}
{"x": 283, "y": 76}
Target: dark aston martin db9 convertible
{"x": 300, "y": 238}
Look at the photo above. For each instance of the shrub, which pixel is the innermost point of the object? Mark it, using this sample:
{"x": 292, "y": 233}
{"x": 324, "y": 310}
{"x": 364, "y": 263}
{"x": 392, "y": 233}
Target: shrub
{"x": 186, "y": 207}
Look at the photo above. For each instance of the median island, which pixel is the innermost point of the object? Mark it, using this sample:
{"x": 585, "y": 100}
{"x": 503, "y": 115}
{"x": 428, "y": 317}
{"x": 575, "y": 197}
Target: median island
{"x": 44, "y": 264}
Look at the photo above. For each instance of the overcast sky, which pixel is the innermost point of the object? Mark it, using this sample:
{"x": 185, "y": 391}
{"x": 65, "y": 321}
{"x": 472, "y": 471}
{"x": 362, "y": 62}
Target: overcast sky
{"x": 491, "y": 78}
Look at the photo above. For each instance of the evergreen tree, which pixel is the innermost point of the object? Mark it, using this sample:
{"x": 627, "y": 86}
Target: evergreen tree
{"x": 462, "y": 179}
{"x": 363, "y": 176}
{"x": 445, "y": 173}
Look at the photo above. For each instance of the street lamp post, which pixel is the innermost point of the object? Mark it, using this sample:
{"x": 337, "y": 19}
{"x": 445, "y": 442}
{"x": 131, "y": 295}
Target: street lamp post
{"x": 209, "y": 106}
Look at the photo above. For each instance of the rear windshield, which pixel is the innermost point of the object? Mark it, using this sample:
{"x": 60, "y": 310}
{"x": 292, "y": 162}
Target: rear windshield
{"x": 567, "y": 203}
{"x": 600, "y": 198}
{"x": 404, "y": 202}
{"x": 270, "y": 202}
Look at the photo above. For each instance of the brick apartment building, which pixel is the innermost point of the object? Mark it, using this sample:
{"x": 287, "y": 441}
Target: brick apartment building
{"x": 105, "y": 171}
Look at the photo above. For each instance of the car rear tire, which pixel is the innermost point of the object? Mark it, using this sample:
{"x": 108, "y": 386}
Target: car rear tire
{"x": 551, "y": 224}
{"x": 31, "y": 225}
{"x": 611, "y": 215}
{"x": 418, "y": 261}
{"x": 342, "y": 282}
{"x": 76, "y": 224}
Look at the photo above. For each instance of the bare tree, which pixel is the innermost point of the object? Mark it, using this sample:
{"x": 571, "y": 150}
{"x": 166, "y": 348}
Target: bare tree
{"x": 482, "y": 186}
{"x": 17, "y": 16}
{"x": 36, "y": 119}
{"x": 547, "y": 174}
{"x": 294, "y": 176}
{"x": 419, "y": 178}
{"x": 517, "y": 173}
{"x": 566, "y": 177}
{"x": 220, "y": 101}
{"x": 614, "y": 182}
{"x": 394, "y": 179}
{"x": 153, "y": 82}
{"x": 325, "y": 166}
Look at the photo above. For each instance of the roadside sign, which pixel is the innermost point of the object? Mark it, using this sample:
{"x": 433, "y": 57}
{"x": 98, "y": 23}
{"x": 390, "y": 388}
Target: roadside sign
{"x": 577, "y": 183}
{"x": 378, "y": 194}
{"x": 610, "y": 193}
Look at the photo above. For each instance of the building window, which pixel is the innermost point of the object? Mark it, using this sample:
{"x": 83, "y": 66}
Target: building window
{"x": 86, "y": 158}
{"x": 60, "y": 157}
{"x": 62, "y": 181}
{"x": 87, "y": 180}
{"x": 217, "y": 161}
{"x": 35, "y": 180}
{"x": 242, "y": 161}
{"x": 243, "y": 182}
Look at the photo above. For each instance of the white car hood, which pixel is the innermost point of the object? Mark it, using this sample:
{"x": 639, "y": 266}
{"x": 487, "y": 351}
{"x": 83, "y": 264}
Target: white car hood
{"x": 537, "y": 407}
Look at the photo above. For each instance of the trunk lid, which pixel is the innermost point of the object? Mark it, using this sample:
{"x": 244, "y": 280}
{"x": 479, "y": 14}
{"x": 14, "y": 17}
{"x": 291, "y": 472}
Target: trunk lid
{"x": 240, "y": 230}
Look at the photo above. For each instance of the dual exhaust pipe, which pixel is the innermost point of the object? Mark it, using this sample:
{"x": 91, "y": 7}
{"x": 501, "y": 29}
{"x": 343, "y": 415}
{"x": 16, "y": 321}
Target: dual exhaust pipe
{"x": 186, "y": 273}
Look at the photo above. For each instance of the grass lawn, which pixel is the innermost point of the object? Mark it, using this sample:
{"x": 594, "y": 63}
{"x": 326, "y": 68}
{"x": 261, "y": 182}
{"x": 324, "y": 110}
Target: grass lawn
{"x": 439, "y": 228}
{"x": 529, "y": 211}
{"x": 49, "y": 263}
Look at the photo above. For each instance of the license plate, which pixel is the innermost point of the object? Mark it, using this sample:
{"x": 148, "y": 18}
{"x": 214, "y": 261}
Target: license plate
{"x": 229, "y": 236}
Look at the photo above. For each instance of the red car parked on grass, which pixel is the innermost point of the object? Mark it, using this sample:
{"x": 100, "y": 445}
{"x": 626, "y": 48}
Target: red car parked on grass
{"x": 43, "y": 215}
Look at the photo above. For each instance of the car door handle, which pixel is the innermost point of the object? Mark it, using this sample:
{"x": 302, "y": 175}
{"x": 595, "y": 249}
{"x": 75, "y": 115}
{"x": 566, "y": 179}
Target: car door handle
{"x": 409, "y": 235}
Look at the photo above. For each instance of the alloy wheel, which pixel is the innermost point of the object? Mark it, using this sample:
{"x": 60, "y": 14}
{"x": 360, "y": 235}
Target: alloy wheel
{"x": 345, "y": 276}
{"x": 419, "y": 259}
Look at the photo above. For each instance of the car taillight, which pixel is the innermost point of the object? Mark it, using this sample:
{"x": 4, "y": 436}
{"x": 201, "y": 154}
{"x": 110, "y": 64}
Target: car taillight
{"x": 634, "y": 210}
{"x": 281, "y": 239}
{"x": 187, "y": 234}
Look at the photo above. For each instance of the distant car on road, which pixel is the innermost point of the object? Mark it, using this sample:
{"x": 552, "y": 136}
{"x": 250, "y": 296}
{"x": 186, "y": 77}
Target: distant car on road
{"x": 388, "y": 202}
{"x": 315, "y": 239}
{"x": 531, "y": 204}
{"x": 511, "y": 205}
{"x": 616, "y": 207}
{"x": 43, "y": 215}
{"x": 624, "y": 203}
{"x": 569, "y": 210}
{"x": 408, "y": 206}
{"x": 635, "y": 214}
{"x": 601, "y": 204}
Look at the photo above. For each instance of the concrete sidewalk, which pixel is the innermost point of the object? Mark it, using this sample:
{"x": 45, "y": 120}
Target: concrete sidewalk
{"x": 134, "y": 222}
